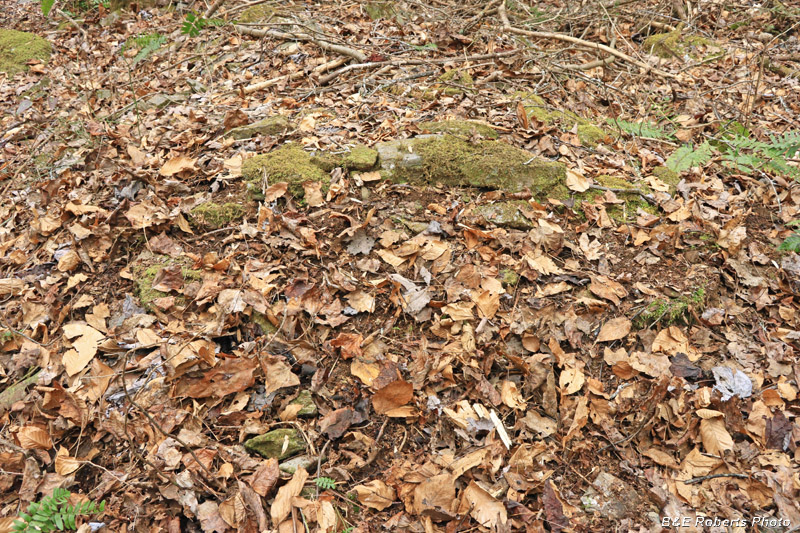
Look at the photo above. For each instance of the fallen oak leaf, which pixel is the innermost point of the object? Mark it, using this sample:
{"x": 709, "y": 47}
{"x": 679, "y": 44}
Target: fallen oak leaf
{"x": 376, "y": 494}
{"x": 335, "y": 423}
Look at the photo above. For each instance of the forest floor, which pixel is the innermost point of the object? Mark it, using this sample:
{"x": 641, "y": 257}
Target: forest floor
{"x": 619, "y": 356}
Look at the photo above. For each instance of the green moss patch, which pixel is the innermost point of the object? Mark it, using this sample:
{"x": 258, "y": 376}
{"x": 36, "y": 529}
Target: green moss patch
{"x": 537, "y": 108}
{"x": 633, "y": 201}
{"x": 19, "y": 47}
{"x": 144, "y": 270}
{"x": 278, "y": 443}
{"x": 268, "y": 126}
{"x": 673, "y": 310}
{"x": 462, "y": 128}
{"x": 668, "y": 176}
{"x": 361, "y": 157}
{"x": 255, "y": 14}
{"x": 217, "y": 216}
{"x": 289, "y": 163}
{"x": 453, "y": 161}
{"x": 674, "y": 44}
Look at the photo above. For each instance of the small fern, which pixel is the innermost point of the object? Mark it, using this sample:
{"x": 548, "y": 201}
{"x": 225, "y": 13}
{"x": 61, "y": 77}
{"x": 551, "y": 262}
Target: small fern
{"x": 641, "y": 129}
{"x": 325, "y": 483}
{"x": 688, "y": 156}
{"x": 54, "y": 513}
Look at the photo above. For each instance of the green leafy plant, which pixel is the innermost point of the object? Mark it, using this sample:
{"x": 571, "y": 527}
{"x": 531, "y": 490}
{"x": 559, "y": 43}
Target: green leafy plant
{"x": 147, "y": 43}
{"x": 53, "y": 513}
{"x": 325, "y": 483}
{"x": 641, "y": 129}
{"x": 688, "y": 156}
{"x": 672, "y": 310}
{"x": 792, "y": 242}
{"x": 194, "y": 24}
{"x": 47, "y": 5}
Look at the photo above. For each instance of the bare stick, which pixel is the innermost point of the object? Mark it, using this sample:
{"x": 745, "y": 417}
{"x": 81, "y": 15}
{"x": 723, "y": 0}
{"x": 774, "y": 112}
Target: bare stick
{"x": 295, "y": 75}
{"x": 325, "y": 45}
{"x": 213, "y": 9}
{"x": 501, "y": 9}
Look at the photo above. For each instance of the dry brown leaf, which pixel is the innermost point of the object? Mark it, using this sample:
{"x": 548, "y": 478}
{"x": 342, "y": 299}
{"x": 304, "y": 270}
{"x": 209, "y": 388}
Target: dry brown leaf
{"x": 177, "y": 164}
{"x": 376, "y": 494}
{"x": 392, "y": 396}
{"x": 716, "y": 439}
{"x": 511, "y": 395}
{"x": 576, "y": 181}
{"x": 34, "y": 438}
{"x": 614, "y": 330}
{"x": 282, "y": 505}
{"x": 84, "y": 347}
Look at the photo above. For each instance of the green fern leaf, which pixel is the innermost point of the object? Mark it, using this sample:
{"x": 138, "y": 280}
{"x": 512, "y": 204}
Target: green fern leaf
{"x": 325, "y": 483}
{"x": 791, "y": 243}
{"x": 687, "y": 157}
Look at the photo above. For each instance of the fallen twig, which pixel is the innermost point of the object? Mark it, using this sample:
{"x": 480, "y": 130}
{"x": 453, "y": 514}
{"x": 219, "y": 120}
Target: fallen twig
{"x": 501, "y": 9}
{"x": 287, "y": 36}
{"x": 712, "y": 476}
{"x": 295, "y": 75}
{"x": 373, "y": 64}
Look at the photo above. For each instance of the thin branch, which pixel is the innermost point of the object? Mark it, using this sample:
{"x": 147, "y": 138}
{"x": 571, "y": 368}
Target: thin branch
{"x": 286, "y": 36}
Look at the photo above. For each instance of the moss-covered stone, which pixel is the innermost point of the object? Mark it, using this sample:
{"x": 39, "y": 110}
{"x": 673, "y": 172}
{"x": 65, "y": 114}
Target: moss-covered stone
{"x": 454, "y": 161}
{"x": 19, "y": 47}
{"x": 537, "y": 108}
{"x": 451, "y": 83}
{"x": 257, "y": 13}
{"x": 216, "y": 216}
{"x": 263, "y": 322}
{"x": 591, "y": 135}
{"x": 509, "y": 277}
{"x": 505, "y": 214}
{"x": 462, "y": 128}
{"x": 361, "y": 157}
{"x": 305, "y": 400}
{"x": 289, "y": 163}
{"x": 632, "y": 201}
{"x": 379, "y": 10}
{"x": 272, "y": 444}
{"x": 673, "y": 44}
{"x": 268, "y": 126}
{"x": 668, "y": 176}
{"x": 144, "y": 270}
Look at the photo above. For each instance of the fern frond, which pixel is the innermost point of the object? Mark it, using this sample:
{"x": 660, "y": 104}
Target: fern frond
{"x": 688, "y": 156}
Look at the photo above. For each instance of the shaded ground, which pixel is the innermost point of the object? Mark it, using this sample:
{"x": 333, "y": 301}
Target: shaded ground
{"x": 605, "y": 358}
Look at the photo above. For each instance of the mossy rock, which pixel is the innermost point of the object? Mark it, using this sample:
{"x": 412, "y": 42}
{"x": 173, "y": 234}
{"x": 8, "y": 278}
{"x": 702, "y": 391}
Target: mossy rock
{"x": 215, "y": 216}
{"x": 271, "y": 444}
{"x": 536, "y": 108}
{"x": 450, "y": 160}
{"x": 263, "y": 322}
{"x": 379, "y": 10}
{"x": 505, "y": 214}
{"x": 19, "y": 47}
{"x": 509, "y": 277}
{"x": 258, "y": 13}
{"x": 674, "y": 44}
{"x": 289, "y": 163}
{"x": 668, "y": 176}
{"x": 451, "y": 83}
{"x": 625, "y": 212}
{"x": 361, "y": 158}
{"x": 305, "y": 400}
{"x": 268, "y": 126}
{"x": 590, "y": 135}
{"x": 144, "y": 270}
{"x": 462, "y": 128}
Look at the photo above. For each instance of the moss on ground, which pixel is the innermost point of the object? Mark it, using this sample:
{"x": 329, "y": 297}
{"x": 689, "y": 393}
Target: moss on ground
{"x": 258, "y": 13}
{"x": 462, "y": 128}
{"x": 289, "y": 163}
{"x": 19, "y": 47}
{"x": 361, "y": 157}
{"x": 668, "y": 176}
{"x": 589, "y": 134}
{"x": 673, "y": 310}
{"x": 215, "y": 215}
{"x": 268, "y": 126}
{"x": 144, "y": 270}
{"x": 633, "y": 201}
{"x": 673, "y": 44}
{"x": 453, "y": 161}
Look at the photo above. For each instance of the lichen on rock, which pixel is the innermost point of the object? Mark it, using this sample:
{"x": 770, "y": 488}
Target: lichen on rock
{"x": 289, "y": 163}
{"x": 278, "y": 444}
{"x": 19, "y": 47}
{"x": 450, "y": 160}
